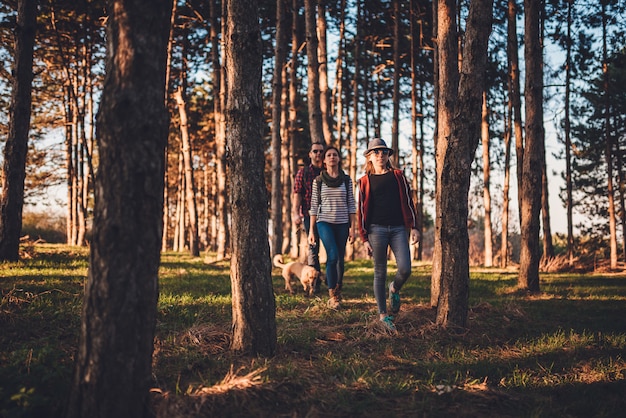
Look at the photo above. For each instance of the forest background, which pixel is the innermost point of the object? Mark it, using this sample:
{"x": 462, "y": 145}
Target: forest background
{"x": 375, "y": 78}
{"x": 131, "y": 227}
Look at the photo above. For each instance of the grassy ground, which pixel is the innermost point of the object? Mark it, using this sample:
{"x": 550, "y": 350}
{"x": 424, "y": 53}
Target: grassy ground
{"x": 559, "y": 353}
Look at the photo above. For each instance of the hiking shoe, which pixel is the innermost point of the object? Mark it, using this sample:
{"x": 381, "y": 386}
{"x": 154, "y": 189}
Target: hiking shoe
{"x": 388, "y": 323}
{"x": 394, "y": 300}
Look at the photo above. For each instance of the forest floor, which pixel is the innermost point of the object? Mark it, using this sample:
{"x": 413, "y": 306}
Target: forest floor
{"x": 561, "y": 352}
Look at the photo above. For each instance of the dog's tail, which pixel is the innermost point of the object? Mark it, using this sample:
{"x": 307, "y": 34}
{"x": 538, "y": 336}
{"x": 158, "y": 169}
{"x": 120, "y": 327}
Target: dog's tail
{"x": 278, "y": 261}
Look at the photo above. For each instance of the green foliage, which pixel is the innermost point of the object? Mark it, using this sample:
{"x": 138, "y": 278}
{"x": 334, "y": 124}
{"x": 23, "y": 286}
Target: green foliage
{"x": 559, "y": 353}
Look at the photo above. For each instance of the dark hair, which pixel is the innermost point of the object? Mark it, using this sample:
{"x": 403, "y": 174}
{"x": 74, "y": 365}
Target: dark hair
{"x": 317, "y": 143}
{"x": 331, "y": 148}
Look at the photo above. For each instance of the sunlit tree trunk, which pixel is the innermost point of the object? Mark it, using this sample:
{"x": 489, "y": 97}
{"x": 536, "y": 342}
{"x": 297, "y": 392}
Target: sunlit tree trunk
{"x": 313, "y": 86}
{"x": 190, "y": 185}
{"x": 533, "y": 152}
{"x": 280, "y": 55}
{"x": 504, "y": 237}
{"x": 395, "y": 118}
{"x": 339, "y": 63}
{"x": 254, "y": 323}
{"x": 435, "y": 281}
{"x": 548, "y": 246}
{"x": 220, "y": 102}
{"x": 16, "y": 146}
{"x": 322, "y": 57}
{"x": 285, "y": 173}
{"x": 569, "y": 202}
{"x": 113, "y": 372}
{"x": 486, "y": 183}
{"x": 462, "y": 133}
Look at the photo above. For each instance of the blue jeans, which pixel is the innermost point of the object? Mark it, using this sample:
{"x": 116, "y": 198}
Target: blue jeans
{"x": 334, "y": 238}
{"x": 382, "y": 237}
{"x": 313, "y": 257}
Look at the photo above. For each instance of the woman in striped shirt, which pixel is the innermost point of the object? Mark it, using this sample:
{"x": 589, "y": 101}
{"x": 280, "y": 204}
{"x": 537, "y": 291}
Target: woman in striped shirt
{"x": 333, "y": 212}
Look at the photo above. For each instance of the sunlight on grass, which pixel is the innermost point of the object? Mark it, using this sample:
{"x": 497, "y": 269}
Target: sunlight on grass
{"x": 519, "y": 353}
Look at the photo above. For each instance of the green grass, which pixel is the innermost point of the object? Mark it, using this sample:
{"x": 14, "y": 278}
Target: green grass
{"x": 559, "y": 353}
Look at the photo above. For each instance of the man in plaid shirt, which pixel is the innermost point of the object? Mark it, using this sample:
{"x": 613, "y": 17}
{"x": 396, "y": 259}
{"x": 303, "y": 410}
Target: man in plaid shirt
{"x": 302, "y": 191}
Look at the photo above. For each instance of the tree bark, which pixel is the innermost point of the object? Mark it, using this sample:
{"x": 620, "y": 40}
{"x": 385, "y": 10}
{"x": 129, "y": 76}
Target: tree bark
{"x": 530, "y": 197}
{"x": 486, "y": 183}
{"x": 463, "y": 131}
{"x": 280, "y": 56}
{"x": 113, "y": 371}
{"x": 190, "y": 189}
{"x": 16, "y": 146}
{"x": 313, "y": 86}
{"x": 254, "y": 310}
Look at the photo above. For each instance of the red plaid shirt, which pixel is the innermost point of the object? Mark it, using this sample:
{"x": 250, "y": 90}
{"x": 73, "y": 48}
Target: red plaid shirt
{"x": 303, "y": 185}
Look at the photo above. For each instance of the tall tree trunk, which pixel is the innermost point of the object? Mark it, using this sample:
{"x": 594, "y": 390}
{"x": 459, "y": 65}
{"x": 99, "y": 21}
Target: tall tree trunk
{"x": 530, "y": 197}
{"x": 338, "y": 97}
{"x": 113, "y": 371}
{"x": 168, "y": 67}
{"x": 220, "y": 102}
{"x": 512, "y": 52}
{"x": 548, "y": 246}
{"x": 280, "y": 56}
{"x": 313, "y": 86}
{"x": 504, "y": 237}
{"x": 16, "y": 146}
{"x": 298, "y": 236}
{"x": 440, "y": 42}
{"x": 608, "y": 137}
{"x": 463, "y": 114}
{"x": 190, "y": 184}
{"x": 322, "y": 57}
{"x": 254, "y": 322}
{"x": 285, "y": 172}
{"x": 486, "y": 183}
{"x": 569, "y": 201}
{"x": 395, "y": 119}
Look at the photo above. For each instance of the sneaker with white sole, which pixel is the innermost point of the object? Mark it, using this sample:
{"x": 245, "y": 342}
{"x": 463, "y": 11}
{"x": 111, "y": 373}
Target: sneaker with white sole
{"x": 394, "y": 300}
{"x": 388, "y": 323}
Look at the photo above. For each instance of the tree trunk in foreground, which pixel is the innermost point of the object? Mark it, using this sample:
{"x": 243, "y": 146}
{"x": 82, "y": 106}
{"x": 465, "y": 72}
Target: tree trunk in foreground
{"x": 254, "y": 309}
{"x": 113, "y": 372}
{"x": 464, "y": 131}
{"x": 14, "y": 166}
{"x": 530, "y": 197}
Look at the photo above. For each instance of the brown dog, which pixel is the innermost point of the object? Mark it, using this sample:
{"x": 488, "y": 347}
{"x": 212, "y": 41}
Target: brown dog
{"x": 306, "y": 274}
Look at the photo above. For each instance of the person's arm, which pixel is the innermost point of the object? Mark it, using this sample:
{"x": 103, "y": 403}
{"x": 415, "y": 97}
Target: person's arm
{"x": 296, "y": 204}
{"x": 311, "y": 230}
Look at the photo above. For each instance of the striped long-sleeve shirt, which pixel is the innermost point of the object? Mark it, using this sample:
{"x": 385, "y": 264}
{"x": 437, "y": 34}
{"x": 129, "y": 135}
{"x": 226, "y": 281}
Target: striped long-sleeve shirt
{"x": 330, "y": 204}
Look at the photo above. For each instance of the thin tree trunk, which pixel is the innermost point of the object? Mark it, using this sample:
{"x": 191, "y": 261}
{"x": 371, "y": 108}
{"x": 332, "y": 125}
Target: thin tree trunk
{"x": 486, "y": 183}
{"x": 440, "y": 42}
{"x": 569, "y": 202}
{"x": 313, "y": 89}
{"x": 504, "y": 237}
{"x": 280, "y": 56}
{"x": 548, "y": 247}
{"x": 190, "y": 185}
{"x": 322, "y": 57}
{"x": 608, "y": 137}
{"x": 395, "y": 119}
{"x": 221, "y": 88}
{"x": 16, "y": 146}
{"x": 254, "y": 322}
{"x": 530, "y": 197}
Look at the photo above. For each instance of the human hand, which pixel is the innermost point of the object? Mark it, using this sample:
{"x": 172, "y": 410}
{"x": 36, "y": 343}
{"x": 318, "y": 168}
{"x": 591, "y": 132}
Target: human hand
{"x": 368, "y": 248}
{"x": 415, "y": 236}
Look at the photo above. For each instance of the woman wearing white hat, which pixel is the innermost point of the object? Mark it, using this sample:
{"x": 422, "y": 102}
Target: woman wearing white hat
{"x": 386, "y": 214}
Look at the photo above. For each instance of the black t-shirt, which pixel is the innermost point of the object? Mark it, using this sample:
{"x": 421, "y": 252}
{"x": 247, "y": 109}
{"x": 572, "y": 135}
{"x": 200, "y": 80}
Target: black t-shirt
{"x": 385, "y": 200}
